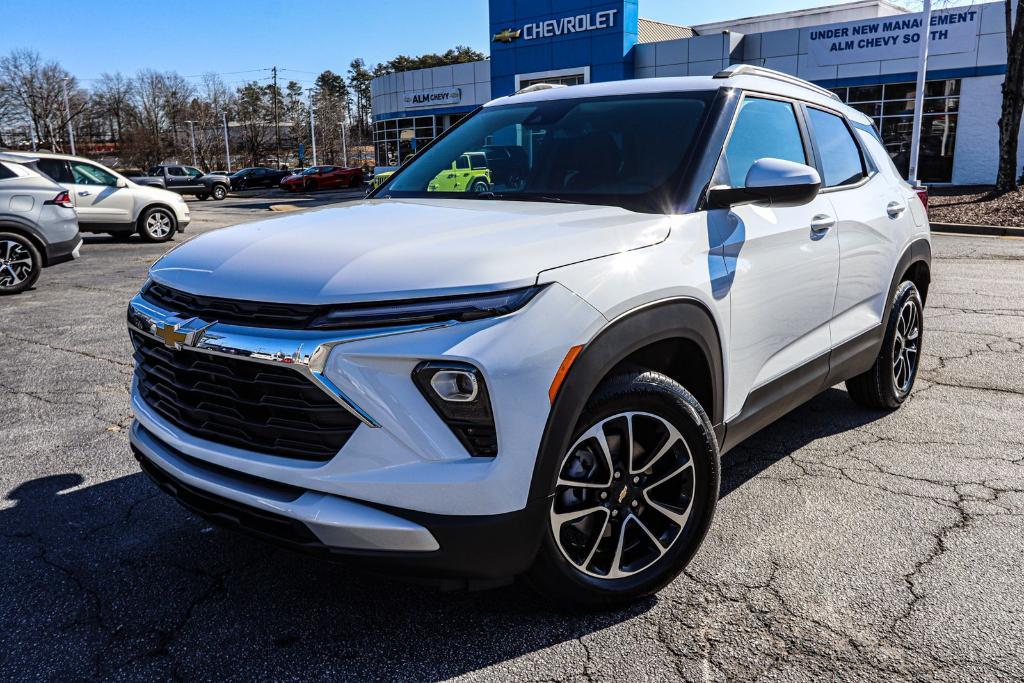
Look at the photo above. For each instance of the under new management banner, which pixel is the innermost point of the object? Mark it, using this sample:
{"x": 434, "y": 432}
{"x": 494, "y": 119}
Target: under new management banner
{"x": 896, "y": 37}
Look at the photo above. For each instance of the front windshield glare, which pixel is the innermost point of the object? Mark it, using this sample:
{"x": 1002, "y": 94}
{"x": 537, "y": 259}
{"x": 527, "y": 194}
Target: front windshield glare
{"x": 621, "y": 150}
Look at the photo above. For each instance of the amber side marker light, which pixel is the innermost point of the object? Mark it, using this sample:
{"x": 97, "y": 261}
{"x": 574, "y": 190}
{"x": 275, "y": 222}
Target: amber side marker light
{"x": 563, "y": 370}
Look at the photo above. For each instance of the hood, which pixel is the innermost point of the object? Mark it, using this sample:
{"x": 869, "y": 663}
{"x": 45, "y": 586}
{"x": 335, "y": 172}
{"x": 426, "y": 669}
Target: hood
{"x": 401, "y": 248}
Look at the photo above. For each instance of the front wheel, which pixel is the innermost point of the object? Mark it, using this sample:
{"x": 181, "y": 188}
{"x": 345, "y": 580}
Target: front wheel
{"x": 157, "y": 225}
{"x": 634, "y": 494}
{"x": 219, "y": 192}
{"x": 20, "y": 263}
{"x": 889, "y": 381}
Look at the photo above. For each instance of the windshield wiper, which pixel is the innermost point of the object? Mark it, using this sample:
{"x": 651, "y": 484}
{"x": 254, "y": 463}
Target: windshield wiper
{"x": 518, "y": 197}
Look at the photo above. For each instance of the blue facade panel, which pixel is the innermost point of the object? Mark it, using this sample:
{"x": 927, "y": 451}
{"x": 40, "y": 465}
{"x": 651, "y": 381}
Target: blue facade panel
{"x": 531, "y": 36}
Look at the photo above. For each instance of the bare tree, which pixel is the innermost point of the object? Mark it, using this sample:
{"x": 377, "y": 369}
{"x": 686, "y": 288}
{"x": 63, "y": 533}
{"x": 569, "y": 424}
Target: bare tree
{"x": 37, "y": 88}
{"x": 253, "y": 115}
{"x": 112, "y": 100}
{"x": 1013, "y": 100}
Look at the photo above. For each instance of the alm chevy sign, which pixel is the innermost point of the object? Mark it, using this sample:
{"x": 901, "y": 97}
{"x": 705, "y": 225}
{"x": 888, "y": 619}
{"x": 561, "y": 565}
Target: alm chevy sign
{"x": 580, "y": 23}
{"x": 895, "y": 37}
{"x": 438, "y": 97}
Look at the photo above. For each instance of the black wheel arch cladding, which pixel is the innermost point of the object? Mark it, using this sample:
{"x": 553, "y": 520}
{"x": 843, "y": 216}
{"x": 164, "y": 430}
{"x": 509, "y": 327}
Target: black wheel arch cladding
{"x": 678, "y": 318}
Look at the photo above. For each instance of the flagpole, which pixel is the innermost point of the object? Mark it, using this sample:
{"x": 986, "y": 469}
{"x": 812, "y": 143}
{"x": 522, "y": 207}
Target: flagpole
{"x": 922, "y": 68}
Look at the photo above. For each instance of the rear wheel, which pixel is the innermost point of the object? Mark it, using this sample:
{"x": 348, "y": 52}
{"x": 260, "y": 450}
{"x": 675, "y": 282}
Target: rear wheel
{"x": 202, "y": 197}
{"x": 634, "y": 494}
{"x": 479, "y": 186}
{"x": 889, "y": 381}
{"x": 20, "y": 263}
{"x": 157, "y": 225}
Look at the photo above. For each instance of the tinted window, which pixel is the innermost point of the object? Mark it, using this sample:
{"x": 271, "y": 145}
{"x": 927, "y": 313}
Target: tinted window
{"x": 57, "y": 169}
{"x": 462, "y": 162}
{"x": 177, "y": 171}
{"x": 194, "y": 172}
{"x": 764, "y": 128}
{"x": 6, "y": 172}
{"x": 840, "y": 156}
{"x": 87, "y": 174}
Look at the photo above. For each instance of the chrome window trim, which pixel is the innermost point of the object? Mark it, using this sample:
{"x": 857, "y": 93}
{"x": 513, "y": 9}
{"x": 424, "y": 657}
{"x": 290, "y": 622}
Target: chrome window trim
{"x": 304, "y": 351}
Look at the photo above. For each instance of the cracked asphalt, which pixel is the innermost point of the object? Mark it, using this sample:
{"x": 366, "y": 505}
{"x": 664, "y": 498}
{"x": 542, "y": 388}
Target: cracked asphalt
{"x": 848, "y": 544}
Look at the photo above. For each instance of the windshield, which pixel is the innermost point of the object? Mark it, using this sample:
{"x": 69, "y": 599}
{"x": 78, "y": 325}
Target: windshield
{"x": 312, "y": 170}
{"x": 624, "y": 150}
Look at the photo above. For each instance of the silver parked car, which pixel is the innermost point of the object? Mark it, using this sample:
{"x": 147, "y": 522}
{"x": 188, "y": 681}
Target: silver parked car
{"x": 108, "y": 202}
{"x": 38, "y": 224}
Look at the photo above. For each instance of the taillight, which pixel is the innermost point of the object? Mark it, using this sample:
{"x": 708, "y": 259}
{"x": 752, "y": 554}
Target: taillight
{"x": 63, "y": 199}
{"x": 922, "y": 194}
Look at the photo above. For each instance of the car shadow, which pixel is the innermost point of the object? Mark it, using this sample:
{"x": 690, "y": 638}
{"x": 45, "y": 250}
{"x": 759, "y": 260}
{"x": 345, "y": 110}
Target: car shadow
{"x": 114, "y": 580}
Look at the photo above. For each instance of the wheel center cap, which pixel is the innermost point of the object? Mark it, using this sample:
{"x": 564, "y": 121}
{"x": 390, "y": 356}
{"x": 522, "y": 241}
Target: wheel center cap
{"x": 623, "y": 494}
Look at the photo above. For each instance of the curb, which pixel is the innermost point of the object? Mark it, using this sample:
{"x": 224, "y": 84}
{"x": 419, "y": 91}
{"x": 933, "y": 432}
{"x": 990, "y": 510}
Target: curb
{"x": 991, "y": 230}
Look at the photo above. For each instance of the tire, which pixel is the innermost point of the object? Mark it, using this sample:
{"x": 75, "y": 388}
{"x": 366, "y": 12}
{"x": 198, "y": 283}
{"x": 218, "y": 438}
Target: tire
{"x": 20, "y": 263}
{"x": 202, "y": 197}
{"x": 311, "y": 186}
{"x": 889, "y": 381}
{"x": 479, "y": 185}
{"x": 157, "y": 224}
{"x": 579, "y": 563}
{"x": 219, "y": 192}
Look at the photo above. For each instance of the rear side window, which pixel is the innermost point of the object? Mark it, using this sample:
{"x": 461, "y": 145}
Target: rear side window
{"x": 764, "y": 128}
{"x": 57, "y": 169}
{"x": 840, "y": 157}
{"x": 6, "y": 173}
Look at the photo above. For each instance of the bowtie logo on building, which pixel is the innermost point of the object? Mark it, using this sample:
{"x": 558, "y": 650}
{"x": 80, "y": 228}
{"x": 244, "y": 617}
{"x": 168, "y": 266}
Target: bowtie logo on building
{"x": 507, "y": 36}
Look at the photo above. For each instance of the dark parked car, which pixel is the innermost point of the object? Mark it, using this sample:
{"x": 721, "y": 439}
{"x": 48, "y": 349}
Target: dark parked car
{"x": 258, "y": 176}
{"x": 190, "y": 180}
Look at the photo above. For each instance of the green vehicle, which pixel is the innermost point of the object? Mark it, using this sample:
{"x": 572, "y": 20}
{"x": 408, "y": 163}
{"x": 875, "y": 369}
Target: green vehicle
{"x": 469, "y": 173}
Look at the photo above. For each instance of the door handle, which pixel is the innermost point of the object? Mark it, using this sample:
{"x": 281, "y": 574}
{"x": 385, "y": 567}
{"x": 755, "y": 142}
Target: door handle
{"x": 84, "y": 193}
{"x": 894, "y": 209}
{"x": 821, "y": 224}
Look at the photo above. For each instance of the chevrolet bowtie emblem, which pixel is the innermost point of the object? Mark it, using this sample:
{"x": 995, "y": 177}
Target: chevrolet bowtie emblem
{"x": 623, "y": 493}
{"x": 507, "y": 36}
{"x": 175, "y": 335}
{"x": 172, "y": 338}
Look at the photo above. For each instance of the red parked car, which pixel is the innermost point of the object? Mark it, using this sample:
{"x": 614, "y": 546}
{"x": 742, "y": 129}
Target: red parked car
{"x": 323, "y": 178}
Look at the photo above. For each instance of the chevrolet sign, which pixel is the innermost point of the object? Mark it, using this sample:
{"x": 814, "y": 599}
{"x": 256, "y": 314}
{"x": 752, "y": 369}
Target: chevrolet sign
{"x": 440, "y": 97}
{"x": 566, "y": 25}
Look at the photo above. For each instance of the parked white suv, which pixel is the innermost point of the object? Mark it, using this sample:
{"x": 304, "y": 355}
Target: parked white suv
{"x": 537, "y": 379}
{"x": 106, "y": 201}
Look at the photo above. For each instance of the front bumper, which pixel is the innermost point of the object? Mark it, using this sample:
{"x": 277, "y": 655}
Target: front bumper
{"x": 402, "y": 461}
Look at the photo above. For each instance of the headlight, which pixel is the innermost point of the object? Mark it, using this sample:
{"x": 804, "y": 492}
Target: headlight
{"x": 419, "y": 311}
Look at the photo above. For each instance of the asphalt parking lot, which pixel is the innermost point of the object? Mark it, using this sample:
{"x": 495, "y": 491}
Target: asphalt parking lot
{"x": 848, "y": 544}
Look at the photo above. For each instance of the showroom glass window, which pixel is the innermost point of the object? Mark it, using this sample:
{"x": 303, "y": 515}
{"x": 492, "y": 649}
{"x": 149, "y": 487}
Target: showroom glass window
{"x": 396, "y": 140}
{"x": 891, "y": 106}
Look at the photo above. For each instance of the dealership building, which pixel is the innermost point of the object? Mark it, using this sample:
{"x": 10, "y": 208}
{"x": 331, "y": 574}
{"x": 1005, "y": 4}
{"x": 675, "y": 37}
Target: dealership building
{"x": 865, "y": 51}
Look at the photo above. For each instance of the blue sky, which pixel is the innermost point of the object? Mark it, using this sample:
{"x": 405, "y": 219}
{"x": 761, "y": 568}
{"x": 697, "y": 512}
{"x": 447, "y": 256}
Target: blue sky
{"x": 227, "y": 36}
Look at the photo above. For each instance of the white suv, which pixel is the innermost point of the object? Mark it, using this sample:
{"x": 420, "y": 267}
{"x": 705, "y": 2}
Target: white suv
{"x": 538, "y": 378}
{"x": 106, "y": 201}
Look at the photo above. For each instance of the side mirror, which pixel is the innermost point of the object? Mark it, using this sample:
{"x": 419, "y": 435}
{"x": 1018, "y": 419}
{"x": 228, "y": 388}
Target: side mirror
{"x": 772, "y": 182}
{"x": 121, "y": 182}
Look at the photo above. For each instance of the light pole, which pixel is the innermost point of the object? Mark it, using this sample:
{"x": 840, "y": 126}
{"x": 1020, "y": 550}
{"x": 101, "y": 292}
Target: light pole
{"x": 344, "y": 145}
{"x": 922, "y": 68}
{"x": 227, "y": 149}
{"x": 31, "y": 130}
{"x": 192, "y": 134}
{"x": 67, "y": 109}
{"x": 312, "y": 131}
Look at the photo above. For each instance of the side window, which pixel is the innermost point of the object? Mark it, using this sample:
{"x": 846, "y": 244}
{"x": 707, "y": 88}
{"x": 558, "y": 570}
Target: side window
{"x": 479, "y": 161}
{"x": 764, "y": 128}
{"x": 176, "y": 171}
{"x": 840, "y": 157}
{"x": 87, "y": 174}
{"x": 462, "y": 162}
{"x": 57, "y": 169}
{"x": 6, "y": 173}
{"x": 194, "y": 172}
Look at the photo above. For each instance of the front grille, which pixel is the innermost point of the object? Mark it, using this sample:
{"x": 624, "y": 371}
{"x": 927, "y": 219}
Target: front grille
{"x": 255, "y": 406}
{"x": 232, "y": 311}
